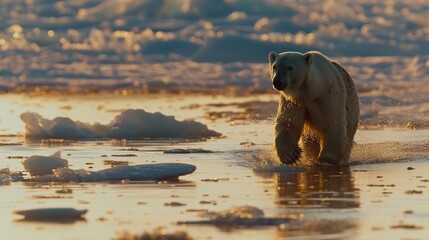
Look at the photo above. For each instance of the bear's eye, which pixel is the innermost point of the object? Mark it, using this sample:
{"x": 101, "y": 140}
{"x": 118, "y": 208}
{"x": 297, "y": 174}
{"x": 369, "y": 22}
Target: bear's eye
{"x": 289, "y": 68}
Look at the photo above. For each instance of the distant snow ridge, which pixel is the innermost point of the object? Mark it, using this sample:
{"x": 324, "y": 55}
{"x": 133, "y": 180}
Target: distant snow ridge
{"x": 131, "y": 123}
{"x": 115, "y": 44}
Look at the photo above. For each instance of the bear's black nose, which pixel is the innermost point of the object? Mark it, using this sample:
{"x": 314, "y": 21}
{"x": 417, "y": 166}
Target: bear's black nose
{"x": 278, "y": 85}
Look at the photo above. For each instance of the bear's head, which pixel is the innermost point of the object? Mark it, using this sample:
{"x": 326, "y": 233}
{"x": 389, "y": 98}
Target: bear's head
{"x": 289, "y": 70}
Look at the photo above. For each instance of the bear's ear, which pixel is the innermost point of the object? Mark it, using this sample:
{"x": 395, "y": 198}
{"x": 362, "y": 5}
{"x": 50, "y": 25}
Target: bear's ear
{"x": 272, "y": 56}
{"x": 309, "y": 58}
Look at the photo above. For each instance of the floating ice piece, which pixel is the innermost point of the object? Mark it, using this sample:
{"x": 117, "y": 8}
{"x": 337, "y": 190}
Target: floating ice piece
{"x": 131, "y": 123}
{"x": 157, "y": 171}
{"x": 42, "y": 165}
{"x": 246, "y": 216}
{"x": 145, "y": 172}
{"x": 5, "y": 177}
{"x": 51, "y": 214}
{"x": 5, "y": 171}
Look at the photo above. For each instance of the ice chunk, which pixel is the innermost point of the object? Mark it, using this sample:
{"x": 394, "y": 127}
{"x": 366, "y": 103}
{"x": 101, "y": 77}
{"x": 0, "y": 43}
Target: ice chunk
{"x": 139, "y": 123}
{"x": 42, "y": 165}
{"x": 159, "y": 171}
{"x": 144, "y": 172}
{"x": 132, "y": 123}
{"x": 5, "y": 177}
{"x": 5, "y": 171}
{"x": 38, "y": 127}
{"x": 51, "y": 214}
{"x": 70, "y": 175}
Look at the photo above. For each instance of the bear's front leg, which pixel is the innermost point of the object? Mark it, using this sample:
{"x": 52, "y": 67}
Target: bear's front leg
{"x": 289, "y": 126}
{"x": 286, "y": 148}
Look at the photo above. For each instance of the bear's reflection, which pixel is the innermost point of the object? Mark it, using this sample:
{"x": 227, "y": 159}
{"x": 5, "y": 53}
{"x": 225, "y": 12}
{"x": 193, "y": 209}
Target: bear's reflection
{"x": 318, "y": 187}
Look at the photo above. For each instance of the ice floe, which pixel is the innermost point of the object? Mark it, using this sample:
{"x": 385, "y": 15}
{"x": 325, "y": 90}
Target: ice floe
{"x": 43, "y": 165}
{"x": 130, "y": 124}
{"x": 5, "y": 177}
{"x": 60, "y": 127}
{"x": 144, "y": 172}
{"x": 52, "y": 214}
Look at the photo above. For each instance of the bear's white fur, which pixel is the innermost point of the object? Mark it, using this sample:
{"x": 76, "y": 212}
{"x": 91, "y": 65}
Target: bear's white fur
{"x": 318, "y": 109}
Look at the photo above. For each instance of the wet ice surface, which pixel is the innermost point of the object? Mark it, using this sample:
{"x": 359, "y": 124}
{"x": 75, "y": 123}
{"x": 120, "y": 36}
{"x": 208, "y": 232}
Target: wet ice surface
{"x": 384, "y": 200}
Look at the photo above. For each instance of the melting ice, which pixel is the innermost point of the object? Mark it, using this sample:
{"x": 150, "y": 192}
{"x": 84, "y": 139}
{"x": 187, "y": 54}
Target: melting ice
{"x": 129, "y": 124}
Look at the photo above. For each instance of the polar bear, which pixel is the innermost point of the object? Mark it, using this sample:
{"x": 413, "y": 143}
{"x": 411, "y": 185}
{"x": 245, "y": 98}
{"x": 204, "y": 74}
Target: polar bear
{"x": 318, "y": 109}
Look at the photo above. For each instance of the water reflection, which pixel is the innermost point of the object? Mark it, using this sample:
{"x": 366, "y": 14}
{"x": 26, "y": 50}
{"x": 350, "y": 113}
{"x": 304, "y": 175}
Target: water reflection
{"x": 318, "y": 188}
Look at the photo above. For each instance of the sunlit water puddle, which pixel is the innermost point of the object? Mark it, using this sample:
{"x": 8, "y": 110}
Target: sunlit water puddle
{"x": 365, "y": 201}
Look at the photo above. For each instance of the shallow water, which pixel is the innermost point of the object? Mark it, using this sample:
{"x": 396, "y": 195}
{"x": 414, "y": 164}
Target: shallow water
{"x": 365, "y": 201}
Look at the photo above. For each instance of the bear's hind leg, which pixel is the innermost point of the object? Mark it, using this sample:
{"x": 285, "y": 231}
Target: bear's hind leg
{"x": 311, "y": 144}
{"x": 333, "y": 148}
